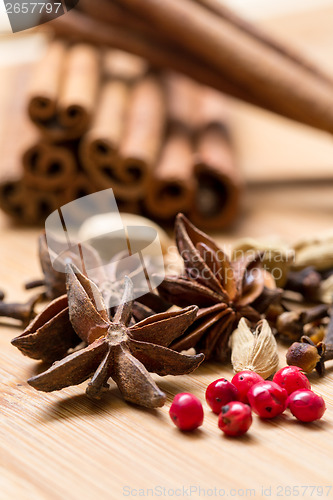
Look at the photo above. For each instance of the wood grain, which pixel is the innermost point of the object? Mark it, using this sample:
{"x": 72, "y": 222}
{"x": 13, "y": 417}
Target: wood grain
{"x": 64, "y": 446}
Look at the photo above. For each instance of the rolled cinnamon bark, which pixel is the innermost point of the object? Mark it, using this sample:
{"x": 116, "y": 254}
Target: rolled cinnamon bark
{"x": 45, "y": 84}
{"x": 78, "y": 94}
{"x": 172, "y": 184}
{"x": 76, "y": 26}
{"x": 49, "y": 167}
{"x": 171, "y": 189}
{"x": 219, "y": 184}
{"x": 25, "y": 205}
{"x": 66, "y": 84}
{"x": 107, "y": 12}
{"x": 262, "y": 36}
{"x": 142, "y": 138}
{"x": 99, "y": 147}
{"x": 122, "y": 65}
{"x": 275, "y": 81}
{"x": 80, "y": 187}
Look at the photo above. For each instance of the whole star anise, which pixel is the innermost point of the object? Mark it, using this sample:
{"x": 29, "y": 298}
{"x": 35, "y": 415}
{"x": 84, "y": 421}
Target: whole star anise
{"x": 117, "y": 348}
{"x": 223, "y": 290}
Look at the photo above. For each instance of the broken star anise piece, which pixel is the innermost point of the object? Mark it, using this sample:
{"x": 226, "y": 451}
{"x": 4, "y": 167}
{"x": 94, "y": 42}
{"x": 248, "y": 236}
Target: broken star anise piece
{"x": 224, "y": 290}
{"x": 115, "y": 349}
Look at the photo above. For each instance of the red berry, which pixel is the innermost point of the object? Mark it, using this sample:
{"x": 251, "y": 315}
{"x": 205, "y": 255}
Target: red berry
{"x": 243, "y": 381}
{"x": 186, "y": 411}
{"x": 306, "y": 406}
{"x": 267, "y": 399}
{"x": 292, "y": 379}
{"x": 235, "y": 418}
{"x": 219, "y": 393}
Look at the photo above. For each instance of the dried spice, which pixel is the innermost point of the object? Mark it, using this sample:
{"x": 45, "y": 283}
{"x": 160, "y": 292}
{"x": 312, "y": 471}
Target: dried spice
{"x": 223, "y": 290}
{"x": 277, "y": 256}
{"x": 292, "y": 324}
{"x": 307, "y": 282}
{"x": 54, "y": 280}
{"x": 23, "y": 312}
{"x": 309, "y": 356}
{"x": 315, "y": 251}
{"x": 117, "y": 349}
{"x": 50, "y": 335}
{"x": 325, "y": 293}
{"x": 254, "y": 350}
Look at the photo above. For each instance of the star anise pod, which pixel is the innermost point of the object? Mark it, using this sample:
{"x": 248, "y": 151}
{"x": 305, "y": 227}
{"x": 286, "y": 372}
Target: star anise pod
{"x": 224, "y": 290}
{"x": 118, "y": 349}
{"x": 54, "y": 281}
{"x": 50, "y": 335}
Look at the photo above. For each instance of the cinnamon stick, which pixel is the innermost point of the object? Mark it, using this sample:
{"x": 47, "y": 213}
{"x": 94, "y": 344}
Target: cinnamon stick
{"x": 76, "y": 26}
{"x": 27, "y": 206}
{"x": 142, "y": 138}
{"x": 49, "y": 167}
{"x": 108, "y": 12}
{"x": 66, "y": 81}
{"x": 219, "y": 185}
{"x": 80, "y": 187}
{"x": 79, "y": 90}
{"x": 262, "y": 36}
{"x": 99, "y": 147}
{"x": 45, "y": 84}
{"x": 172, "y": 184}
{"x": 275, "y": 81}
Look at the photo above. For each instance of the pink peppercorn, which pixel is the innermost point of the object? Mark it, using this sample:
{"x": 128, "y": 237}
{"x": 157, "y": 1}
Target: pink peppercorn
{"x": 219, "y": 393}
{"x": 243, "y": 381}
{"x": 306, "y": 406}
{"x": 292, "y": 379}
{"x": 267, "y": 399}
{"x": 235, "y": 418}
{"x": 186, "y": 411}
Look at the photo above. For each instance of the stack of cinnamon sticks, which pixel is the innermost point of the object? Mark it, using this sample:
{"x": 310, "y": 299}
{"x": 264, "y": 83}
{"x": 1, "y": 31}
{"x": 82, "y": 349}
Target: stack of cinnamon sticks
{"x": 103, "y": 118}
{"x": 160, "y": 140}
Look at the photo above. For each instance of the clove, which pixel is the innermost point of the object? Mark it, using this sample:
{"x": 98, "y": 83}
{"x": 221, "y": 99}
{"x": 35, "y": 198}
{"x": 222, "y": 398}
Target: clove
{"x": 291, "y": 323}
{"x": 306, "y": 282}
{"x": 34, "y": 284}
{"x": 310, "y": 356}
{"x": 23, "y": 312}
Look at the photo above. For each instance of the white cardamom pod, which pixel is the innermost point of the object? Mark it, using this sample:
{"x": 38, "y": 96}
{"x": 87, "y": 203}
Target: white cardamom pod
{"x": 316, "y": 251}
{"x": 326, "y": 290}
{"x": 277, "y": 256}
{"x": 256, "y": 351}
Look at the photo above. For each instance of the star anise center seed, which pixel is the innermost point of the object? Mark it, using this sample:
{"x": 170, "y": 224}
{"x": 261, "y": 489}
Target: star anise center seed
{"x": 117, "y": 333}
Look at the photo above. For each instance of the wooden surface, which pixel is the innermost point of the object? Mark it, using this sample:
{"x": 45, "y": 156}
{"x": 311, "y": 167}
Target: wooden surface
{"x": 63, "y": 446}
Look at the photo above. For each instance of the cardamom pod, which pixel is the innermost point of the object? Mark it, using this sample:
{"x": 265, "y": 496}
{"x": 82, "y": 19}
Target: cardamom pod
{"x": 254, "y": 350}
{"x": 326, "y": 290}
{"x": 316, "y": 251}
{"x": 276, "y": 258}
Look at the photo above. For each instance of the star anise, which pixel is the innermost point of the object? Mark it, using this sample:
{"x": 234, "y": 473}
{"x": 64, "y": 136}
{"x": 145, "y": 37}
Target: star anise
{"x": 117, "y": 348}
{"x": 224, "y": 290}
{"x": 50, "y": 335}
{"x": 54, "y": 281}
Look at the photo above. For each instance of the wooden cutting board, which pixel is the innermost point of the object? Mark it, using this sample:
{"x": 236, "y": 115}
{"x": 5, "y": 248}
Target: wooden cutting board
{"x": 63, "y": 446}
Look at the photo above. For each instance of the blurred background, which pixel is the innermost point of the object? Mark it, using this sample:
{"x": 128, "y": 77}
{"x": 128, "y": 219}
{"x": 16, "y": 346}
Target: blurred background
{"x": 228, "y": 165}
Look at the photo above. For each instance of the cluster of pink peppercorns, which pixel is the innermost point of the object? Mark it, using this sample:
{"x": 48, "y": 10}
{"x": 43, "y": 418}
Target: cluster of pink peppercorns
{"x": 234, "y": 401}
